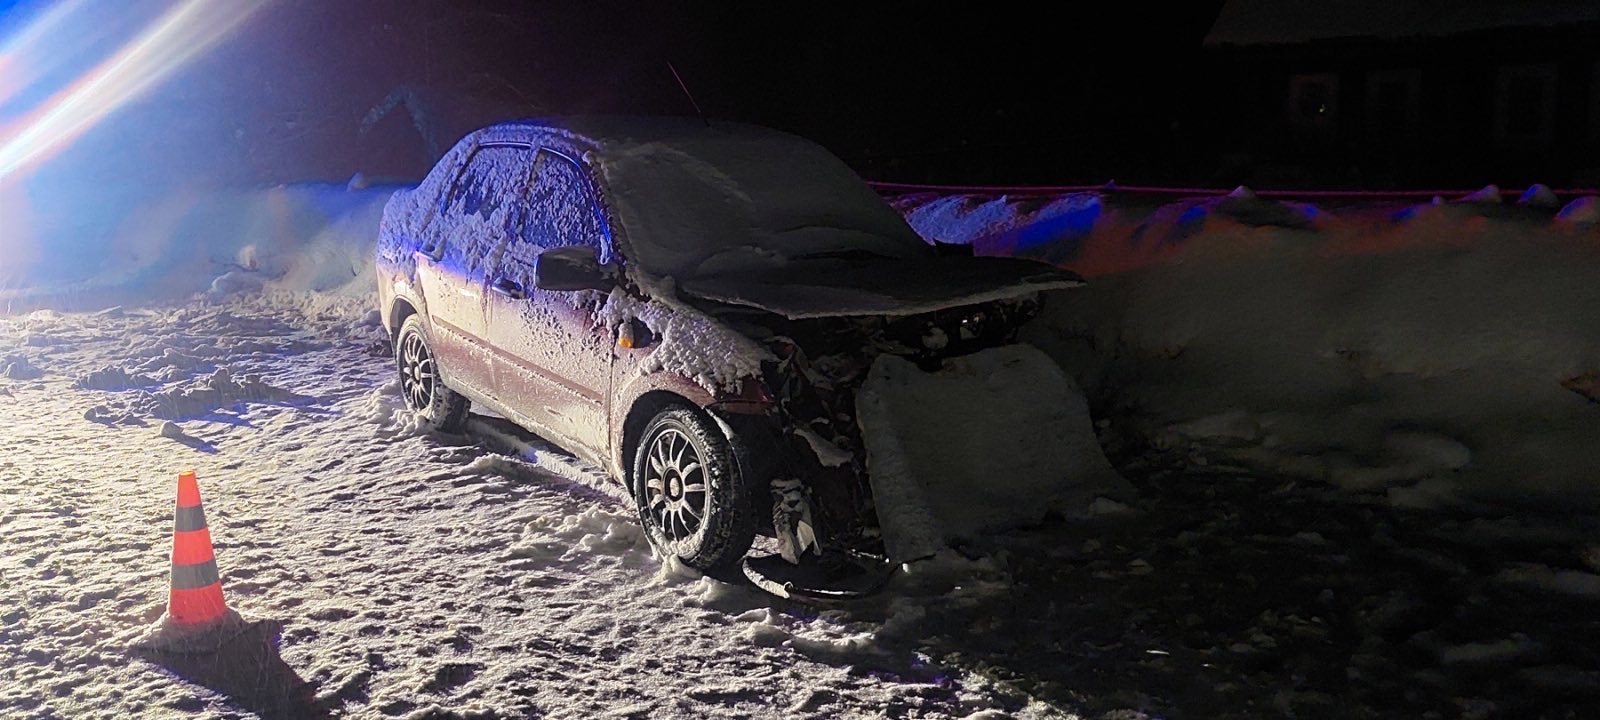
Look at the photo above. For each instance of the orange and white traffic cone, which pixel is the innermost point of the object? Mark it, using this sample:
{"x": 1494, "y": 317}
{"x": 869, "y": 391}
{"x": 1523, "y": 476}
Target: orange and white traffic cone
{"x": 197, "y": 618}
{"x": 196, "y": 596}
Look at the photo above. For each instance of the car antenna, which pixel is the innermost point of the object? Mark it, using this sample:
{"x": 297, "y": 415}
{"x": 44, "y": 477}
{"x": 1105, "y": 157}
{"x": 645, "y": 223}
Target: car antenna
{"x": 688, "y": 94}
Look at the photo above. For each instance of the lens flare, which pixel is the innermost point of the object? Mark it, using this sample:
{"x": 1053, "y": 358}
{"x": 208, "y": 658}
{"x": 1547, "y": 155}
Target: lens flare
{"x": 170, "y": 42}
{"x": 25, "y": 45}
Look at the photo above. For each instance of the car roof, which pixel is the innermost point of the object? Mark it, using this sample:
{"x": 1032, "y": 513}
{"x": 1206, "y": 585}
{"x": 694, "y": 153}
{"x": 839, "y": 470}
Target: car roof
{"x": 611, "y": 133}
{"x": 680, "y": 190}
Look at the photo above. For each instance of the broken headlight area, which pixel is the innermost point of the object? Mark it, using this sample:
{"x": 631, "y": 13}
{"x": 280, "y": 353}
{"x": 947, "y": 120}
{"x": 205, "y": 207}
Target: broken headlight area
{"x": 822, "y": 500}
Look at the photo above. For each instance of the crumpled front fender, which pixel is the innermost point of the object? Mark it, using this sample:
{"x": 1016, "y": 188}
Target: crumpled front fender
{"x": 776, "y": 475}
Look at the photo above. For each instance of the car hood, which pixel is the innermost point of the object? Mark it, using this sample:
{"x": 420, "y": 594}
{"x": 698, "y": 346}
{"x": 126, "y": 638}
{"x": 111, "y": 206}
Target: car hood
{"x": 889, "y": 287}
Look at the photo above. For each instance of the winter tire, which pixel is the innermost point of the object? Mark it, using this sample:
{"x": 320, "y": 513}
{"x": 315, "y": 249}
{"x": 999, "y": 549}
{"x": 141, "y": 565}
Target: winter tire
{"x": 437, "y": 408}
{"x": 691, "y": 500}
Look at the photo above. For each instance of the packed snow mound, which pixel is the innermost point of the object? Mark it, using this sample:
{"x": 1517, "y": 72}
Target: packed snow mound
{"x": 1438, "y": 355}
{"x": 113, "y": 378}
{"x": 1435, "y": 353}
{"x": 218, "y": 391}
{"x": 385, "y": 407}
{"x": 198, "y": 364}
{"x": 1091, "y": 233}
{"x": 1539, "y": 196}
{"x": 1488, "y": 195}
{"x": 992, "y": 441}
{"x": 1582, "y": 211}
{"x": 19, "y": 367}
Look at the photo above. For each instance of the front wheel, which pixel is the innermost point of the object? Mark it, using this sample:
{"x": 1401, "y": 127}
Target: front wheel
{"x": 436, "y": 407}
{"x": 690, "y": 497}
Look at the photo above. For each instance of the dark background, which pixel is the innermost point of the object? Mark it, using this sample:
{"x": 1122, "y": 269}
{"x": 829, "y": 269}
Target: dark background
{"x": 978, "y": 93}
{"x": 901, "y": 91}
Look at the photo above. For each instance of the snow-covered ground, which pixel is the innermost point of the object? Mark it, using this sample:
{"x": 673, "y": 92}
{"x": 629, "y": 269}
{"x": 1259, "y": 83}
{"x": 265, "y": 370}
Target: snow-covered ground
{"x": 418, "y": 576}
{"x": 414, "y": 576}
{"x": 490, "y": 576}
{"x": 1440, "y": 354}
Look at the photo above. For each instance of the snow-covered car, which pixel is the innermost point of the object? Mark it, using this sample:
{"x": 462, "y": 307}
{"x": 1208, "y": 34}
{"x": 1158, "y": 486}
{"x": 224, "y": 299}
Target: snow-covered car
{"x": 691, "y": 306}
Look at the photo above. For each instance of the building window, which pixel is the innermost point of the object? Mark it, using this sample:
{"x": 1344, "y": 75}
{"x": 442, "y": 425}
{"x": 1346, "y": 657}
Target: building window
{"x": 1525, "y": 98}
{"x": 1394, "y": 103}
{"x": 1314, "y": 102}
{"x": 1594, "y": 104}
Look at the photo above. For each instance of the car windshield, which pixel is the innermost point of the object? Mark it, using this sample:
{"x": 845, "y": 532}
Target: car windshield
{"x": 717, "y": 204}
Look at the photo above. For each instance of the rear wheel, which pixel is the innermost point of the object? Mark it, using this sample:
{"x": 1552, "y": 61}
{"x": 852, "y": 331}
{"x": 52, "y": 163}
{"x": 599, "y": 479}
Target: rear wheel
{"x": 690, "y": 497}
{"x": 436, "y": 407}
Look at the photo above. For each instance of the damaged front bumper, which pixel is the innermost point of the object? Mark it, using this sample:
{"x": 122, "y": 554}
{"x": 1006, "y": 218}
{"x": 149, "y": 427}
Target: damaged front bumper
{"x": 795, "y": 466}
{"x": 796, "y": 429}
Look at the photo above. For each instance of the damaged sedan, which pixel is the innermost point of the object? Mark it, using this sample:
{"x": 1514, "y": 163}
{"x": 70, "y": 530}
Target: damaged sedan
{"x": 696, "y": 308}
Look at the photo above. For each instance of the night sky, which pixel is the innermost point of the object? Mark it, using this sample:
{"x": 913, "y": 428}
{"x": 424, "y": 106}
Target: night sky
{"x": 969, "y": 94}
{"x": 900, "y": 91}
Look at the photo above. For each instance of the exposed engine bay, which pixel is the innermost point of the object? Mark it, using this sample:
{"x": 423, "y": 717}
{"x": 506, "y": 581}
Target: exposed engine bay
{"x": 822, "y": 498}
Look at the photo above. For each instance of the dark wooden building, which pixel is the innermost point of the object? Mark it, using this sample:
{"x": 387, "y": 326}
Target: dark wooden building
{"x": 1405, "y": 93}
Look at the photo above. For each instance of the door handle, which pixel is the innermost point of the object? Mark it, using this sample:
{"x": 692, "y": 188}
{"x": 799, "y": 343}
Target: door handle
{"x": 508, "y": 289}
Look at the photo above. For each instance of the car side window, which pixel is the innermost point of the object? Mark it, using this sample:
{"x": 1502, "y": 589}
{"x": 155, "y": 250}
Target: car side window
{"x": 563, "y": 209}
{"x": 484, "y": 205}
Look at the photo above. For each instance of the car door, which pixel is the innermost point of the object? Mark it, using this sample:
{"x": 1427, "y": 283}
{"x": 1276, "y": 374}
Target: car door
{"x": 475, "y": 217}
{"x": 552, "y": 363}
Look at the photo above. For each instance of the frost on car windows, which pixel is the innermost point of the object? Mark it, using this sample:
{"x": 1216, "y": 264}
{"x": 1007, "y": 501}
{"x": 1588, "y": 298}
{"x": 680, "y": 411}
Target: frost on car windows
{"x": 483, "y": 205}
{"x": 561, "y": 211}
{"x": 723, "y": 203}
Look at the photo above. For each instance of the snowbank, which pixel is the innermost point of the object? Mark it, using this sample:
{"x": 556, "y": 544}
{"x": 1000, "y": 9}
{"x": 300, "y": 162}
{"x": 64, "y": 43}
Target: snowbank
{"x": 1440, "y": 353}
{"x": 313, "y": 238}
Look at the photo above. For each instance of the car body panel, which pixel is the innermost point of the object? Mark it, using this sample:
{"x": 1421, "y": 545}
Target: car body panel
{"x": 885, "y": 287}
{"x": 631, "y": 382}
{"x": 552, "y": 362}
{"x": 552, "y": 365}
{"x": 457, "y": 324}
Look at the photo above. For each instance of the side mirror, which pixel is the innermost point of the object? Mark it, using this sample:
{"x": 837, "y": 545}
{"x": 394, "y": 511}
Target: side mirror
{"x": 575, "y": 267}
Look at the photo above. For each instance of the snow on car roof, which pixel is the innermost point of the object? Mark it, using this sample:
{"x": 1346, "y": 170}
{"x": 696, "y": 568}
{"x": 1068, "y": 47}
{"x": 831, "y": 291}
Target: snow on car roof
{"x": 622, "y": 130}
{"x": 693, "y": 197}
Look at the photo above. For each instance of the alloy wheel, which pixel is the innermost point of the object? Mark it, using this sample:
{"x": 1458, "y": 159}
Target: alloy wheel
{"x": 416, "y": 372}
{"x": 675, "y": 485}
